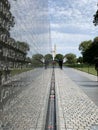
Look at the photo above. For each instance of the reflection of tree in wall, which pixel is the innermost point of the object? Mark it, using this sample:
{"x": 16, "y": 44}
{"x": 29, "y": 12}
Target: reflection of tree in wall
{"x": 48, "y": 57}
{"x": 48, "y": 60}
{"x": 6, "y": 22}
{"x": 10, "y": 50}
{"x": 12, "y": 53}
{"x": 37, "y": 60}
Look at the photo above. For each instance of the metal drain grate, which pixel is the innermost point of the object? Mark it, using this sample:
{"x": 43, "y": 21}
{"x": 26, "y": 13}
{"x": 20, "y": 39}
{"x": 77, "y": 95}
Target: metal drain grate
{"x": 51, "y": 112}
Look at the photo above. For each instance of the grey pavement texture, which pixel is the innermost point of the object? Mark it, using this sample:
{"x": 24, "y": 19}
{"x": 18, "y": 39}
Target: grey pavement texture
{"x": 26, "y": 111}
{"x": 87, "y": 82}
{"x": 75, "y": 110}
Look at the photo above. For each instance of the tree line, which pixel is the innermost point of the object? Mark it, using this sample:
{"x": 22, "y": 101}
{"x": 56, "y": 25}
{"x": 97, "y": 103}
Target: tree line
{"x": 38, "y": 59}
{"x": 88, "y": 49}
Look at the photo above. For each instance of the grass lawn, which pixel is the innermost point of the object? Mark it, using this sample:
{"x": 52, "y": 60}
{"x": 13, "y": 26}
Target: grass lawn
{"x": 89, "y": 69}
{"x": 85, "y": 68}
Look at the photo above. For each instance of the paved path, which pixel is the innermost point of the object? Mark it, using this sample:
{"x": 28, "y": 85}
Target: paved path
{"x": 87, "y": 82}
{"x": 76, "y": 111}
{"x": 28, "y": 109}
{"x": 16, "y": 84}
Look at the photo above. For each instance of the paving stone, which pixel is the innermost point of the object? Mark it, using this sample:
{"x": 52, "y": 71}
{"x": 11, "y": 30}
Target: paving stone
{"x": 79, "y": 112}
{"x": 25, "y": 111}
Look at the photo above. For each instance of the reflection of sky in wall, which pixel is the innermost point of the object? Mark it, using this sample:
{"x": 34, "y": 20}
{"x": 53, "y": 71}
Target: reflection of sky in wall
{"x": 71, "y": 23}
{"x": 32, "y": 24}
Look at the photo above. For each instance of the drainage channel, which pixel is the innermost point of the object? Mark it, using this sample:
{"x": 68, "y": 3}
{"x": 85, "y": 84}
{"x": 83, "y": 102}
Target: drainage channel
{"x": 51, "y": 112}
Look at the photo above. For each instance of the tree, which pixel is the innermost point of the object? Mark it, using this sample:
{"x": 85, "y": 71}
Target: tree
{"x": 95, "y": 21}
{"x": 84, "y": 46}
{"x": 88, "y": 56}
{"x": 71, "y": 58}
{"x": 6, "y": 23}
{"x": 59, "y": 57}
{"x": 91, "y": 53}
{"x": 37, "y": 60}
{"x": 80, "y": 59}
{"x": 95, "y": 40}
{"x": 23, "y": 46}
{"x": 48, "y": 57}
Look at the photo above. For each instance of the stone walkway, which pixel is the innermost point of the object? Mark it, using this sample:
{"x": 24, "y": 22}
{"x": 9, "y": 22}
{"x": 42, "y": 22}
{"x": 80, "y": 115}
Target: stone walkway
{"x": 75, "y": 111}
{"x": 27, "y": 111}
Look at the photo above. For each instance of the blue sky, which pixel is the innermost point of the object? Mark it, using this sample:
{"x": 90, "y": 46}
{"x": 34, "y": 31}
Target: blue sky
{"x": 68, "y": 21}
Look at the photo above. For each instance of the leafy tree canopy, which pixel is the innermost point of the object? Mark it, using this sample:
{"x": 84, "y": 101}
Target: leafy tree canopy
{"x": 59, "y": 57}
{"x": 37, "y": 57}
{"x": 37, "y": 60}
{"x": 48, "y": 57}
{"x": 89, "y": 50}
{"x": 95, "y": 21}
{"x": 84, "y": 46}
{"x": 71, "y": 58}
{"x": 23, "y": 45}
{"x": 80, "y": 59}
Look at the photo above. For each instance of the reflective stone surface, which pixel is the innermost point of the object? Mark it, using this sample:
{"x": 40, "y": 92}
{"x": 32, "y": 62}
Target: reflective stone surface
{"x": 23, "y": 101}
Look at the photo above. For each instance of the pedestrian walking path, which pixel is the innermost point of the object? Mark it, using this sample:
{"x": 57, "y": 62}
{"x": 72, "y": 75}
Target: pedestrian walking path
{"x": 27, "y": 111}
{"x": 89, "y": 76}
{"x": 87, "y": 82}
{"x": 75, "y": 111}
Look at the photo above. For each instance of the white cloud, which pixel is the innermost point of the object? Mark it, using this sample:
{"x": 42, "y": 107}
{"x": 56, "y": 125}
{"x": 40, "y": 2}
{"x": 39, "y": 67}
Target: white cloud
{"x": 67, "y": 38}
{"x": 77, "y": 11}
{"x": 71, "y": 22}
{"x": 31, "y": 23}
{"x": 67, "y": 43}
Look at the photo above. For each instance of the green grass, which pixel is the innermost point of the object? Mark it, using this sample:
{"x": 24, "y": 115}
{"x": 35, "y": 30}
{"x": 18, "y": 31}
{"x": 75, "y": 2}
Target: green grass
{"x": 85, "y": 68}
{"x": 18, "y": 71}
{"x": 90, "y": 69}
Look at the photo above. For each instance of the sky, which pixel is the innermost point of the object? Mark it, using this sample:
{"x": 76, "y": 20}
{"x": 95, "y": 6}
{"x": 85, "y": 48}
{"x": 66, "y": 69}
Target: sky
{"x": 64, "y": 23}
